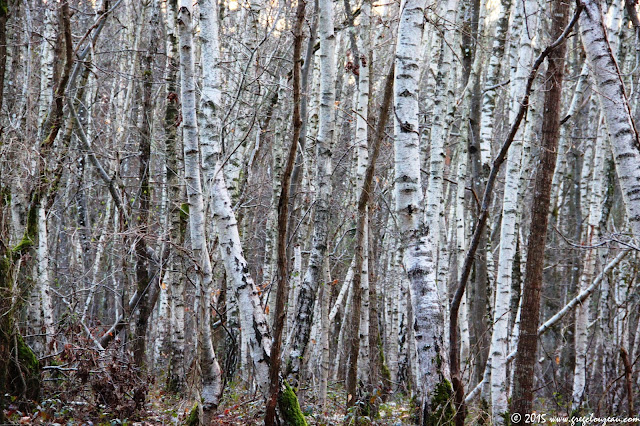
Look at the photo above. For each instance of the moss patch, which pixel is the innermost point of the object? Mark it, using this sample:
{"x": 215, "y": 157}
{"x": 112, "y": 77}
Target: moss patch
{"x": 192, "y": 419}
{"x": 386, "y": 374}
{"x": 23, "y": 369}
{"x": 184, "y": 211}
{"x": 290, "y": 407}
{"x": 30, "y": 369}
{"x": 441, "y": 406}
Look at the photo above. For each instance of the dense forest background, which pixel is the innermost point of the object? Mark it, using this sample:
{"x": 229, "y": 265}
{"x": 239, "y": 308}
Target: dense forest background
{"x": 321, "y": 212}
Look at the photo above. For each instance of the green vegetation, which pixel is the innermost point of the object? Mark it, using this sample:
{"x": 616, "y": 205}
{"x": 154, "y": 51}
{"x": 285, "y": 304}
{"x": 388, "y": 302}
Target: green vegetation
{"x": 290, "y": 407}
{"x": 193, "y": 419}
{"x": 442, "y": 411}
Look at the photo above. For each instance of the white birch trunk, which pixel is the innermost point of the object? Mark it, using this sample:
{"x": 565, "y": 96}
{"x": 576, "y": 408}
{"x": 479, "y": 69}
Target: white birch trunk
{"x": 509, "y": 229}
{"x": 362, "y": 149}
{"x": 43, "y": 311}
{"x": 212, "y": 378}
{"x": 208, "y": 121}
{"x": 443, "y": 100}
{"x": 461, "y": 246}
{"x": 177, "y": 324}
{"x": 324, "y": 335}
{"x": 277, "y": 155}
{"x": 43, "y": 281}
{"x": 296, "y": 281}
{"x": 342, "y": 355}
{"x": 46, "y": 64}
{"x": 393, "y": 323}
{"x": 162, "y": 323}
{"x": 252, "y": 318}
{"x": 403, "y": 373}
{"x": 253, "y": 321}
{"x": 418, "y": 250}
{"x": 491, "y": 81}
{"x": 430, "y": 58}
{"x": 589, "y": 265}
{"x": 617, "y": 112}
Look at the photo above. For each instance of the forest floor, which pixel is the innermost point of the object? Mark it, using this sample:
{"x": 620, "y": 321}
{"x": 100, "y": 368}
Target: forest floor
{"x": 239, "y": 407}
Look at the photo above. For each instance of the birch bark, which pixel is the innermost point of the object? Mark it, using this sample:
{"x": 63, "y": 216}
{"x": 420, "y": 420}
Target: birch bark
{"x": 43, "y": 282}
{"x": 596, "y": 196}
{"x": 362, "y": 147}
{"x": 617, "y": 112}
{"x": 324, "y": 336}
{"x": 173, "y": 167}
{"x": 211, "y": 380}
{"x": 46, "y": 65}
{"x": 442, "y": 118}
{"x": 428, "y": 316}
{"x": 491, "y": 81}
{"x": 509, "y": 228}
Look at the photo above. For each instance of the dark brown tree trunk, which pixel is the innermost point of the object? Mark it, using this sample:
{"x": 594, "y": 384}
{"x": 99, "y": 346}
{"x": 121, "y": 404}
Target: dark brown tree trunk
{"x": 522, "y": 399}
{"x": 363, "y": 201}
{"x": 143, "y": 270}
{"x": 296, "y": 175}
{"x": 4, "y": 14}
{"x": 282, "y": 291}
{"x": 628, "y": 376}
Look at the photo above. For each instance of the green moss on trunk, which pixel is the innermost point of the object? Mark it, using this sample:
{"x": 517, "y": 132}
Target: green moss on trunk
{"x": 441, "y": 405}
{"x": 193, "y": 419}
{"x": 290, "y": 407}
{"x": 30, "y": 232}
{"x": 30, "y": 368}
{"x": 20, "y": 377}
{"x": 20, "y": 373}
{"x": 386, "y": 374}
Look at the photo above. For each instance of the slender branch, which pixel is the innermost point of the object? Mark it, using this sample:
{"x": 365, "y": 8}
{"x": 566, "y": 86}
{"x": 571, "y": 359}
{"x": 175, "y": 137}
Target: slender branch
{"x": 283, "y": 212}
{"x": 578, "y": 299}
{"x": 581, "y": 297}
{"x": 86, "y": 145}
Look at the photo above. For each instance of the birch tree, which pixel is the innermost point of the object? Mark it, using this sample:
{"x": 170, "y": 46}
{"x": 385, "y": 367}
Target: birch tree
{"x": 616, "y": 109}
{"x": 509, "y": 227}
{"x": 211, "y": 380}
{"x": 136, "y": 207}
{"x": 417, "y": 249}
